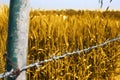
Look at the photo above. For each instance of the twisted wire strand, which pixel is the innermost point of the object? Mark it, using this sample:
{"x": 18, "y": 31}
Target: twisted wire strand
{"x": 38, "y": 64}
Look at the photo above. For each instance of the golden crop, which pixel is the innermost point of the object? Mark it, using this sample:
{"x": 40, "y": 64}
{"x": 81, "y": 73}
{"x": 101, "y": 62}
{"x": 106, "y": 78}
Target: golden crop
{"x": 55, "y": 32}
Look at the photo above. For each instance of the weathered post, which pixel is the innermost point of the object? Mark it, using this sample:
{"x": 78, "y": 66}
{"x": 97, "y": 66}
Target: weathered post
{"x": 17, "y": 41}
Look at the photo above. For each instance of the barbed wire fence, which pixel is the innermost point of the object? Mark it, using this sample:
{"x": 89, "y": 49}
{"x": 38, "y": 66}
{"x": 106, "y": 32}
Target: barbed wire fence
{"x": 16, "y": 72}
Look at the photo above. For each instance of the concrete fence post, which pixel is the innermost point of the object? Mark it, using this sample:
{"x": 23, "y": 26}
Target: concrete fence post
{"x": 17, "y": 40}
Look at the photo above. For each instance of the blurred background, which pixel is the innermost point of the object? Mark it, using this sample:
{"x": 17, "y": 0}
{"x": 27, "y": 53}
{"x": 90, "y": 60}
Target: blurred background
{"x": 71, "y": 4}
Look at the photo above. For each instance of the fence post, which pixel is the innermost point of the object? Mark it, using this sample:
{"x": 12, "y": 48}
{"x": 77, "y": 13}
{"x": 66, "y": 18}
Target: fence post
{"x": 17, "y": 40}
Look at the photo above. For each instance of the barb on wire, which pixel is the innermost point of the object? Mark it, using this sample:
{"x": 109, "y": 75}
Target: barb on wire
{"x": 57, "y": 57}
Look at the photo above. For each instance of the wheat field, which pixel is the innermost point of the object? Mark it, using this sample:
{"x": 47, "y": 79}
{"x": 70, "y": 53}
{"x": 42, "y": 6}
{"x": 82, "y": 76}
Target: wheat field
{"x": 55, "y": 32}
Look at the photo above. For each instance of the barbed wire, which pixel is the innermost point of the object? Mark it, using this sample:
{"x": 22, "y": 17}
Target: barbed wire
{"x": 38, "y": 64}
